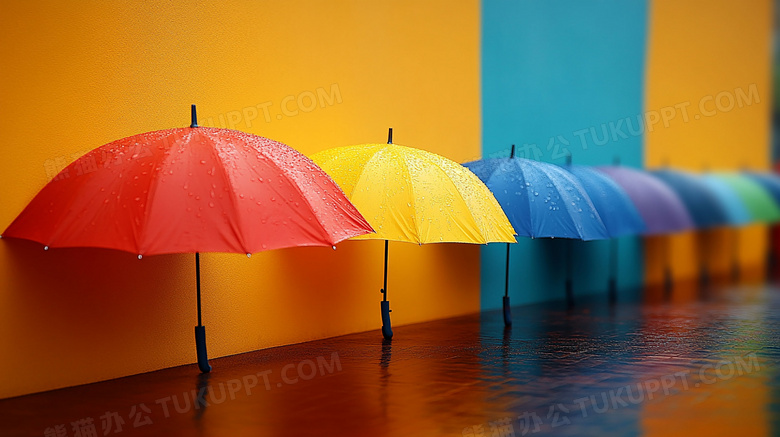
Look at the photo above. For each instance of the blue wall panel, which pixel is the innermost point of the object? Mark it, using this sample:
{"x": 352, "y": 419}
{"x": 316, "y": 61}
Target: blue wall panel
{"x": 558, "y": 77}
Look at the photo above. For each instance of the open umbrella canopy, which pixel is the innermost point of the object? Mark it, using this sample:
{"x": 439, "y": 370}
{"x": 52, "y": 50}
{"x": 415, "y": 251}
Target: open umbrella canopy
{"x": 704, "y": 206}
{"x": 412, "y": 195}
{"x": 540, "y": 199}
{"x": 770, "y": 182}
{"x": 190, "y": 190}
{"x": 735, "y": 208}
{"x": 756, "y": 199}
{"x": 660, "y": 207}
{"x": 613, "y": 204}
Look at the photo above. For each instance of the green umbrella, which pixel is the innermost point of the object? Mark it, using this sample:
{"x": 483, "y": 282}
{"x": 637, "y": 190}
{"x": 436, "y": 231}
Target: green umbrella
{"x": 757, "y": 200}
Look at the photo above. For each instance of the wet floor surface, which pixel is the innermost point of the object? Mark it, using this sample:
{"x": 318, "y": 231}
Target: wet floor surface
{"x": 702, "y": 367}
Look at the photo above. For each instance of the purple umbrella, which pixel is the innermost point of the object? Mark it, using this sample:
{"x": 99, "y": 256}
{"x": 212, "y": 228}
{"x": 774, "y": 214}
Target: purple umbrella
{"x": 660, "y": 207}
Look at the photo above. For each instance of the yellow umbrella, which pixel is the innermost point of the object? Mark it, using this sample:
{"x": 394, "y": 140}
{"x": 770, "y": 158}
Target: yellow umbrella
{"x": 411, "y": 195}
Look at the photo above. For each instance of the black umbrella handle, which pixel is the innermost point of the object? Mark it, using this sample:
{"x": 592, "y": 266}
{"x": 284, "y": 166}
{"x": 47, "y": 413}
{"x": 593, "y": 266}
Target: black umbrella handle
{"x": 387, "y": 329}
{"x": 507, "y": 312}
{"x": 200, "y": 330}
{"x": 200, "y": 345}
{"x": 507, "y": 308}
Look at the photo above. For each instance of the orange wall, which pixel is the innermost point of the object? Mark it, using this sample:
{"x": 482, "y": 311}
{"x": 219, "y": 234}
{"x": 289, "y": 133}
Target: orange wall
{"x": 74, "y": 78}
{"x": 703, "y": 58}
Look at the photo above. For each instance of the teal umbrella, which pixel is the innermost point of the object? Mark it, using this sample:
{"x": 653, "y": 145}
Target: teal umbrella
{"x": 747, "y": 202}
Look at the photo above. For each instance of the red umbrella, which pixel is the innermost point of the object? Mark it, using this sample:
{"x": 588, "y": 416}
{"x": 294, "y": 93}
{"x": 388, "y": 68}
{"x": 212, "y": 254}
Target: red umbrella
{"x": 190, "y": 190}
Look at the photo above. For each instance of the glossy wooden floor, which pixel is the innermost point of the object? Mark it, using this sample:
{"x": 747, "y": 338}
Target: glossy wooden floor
{"x": 695, "y": 366}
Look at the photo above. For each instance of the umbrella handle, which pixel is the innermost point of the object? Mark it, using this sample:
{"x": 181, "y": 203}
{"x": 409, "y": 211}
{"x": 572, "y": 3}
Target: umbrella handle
{"x": 612, "y": 290}
{"x": 387, "y": 330}
{"x": 200, "y": 345}
{"x": 668, "y": 282}
{"x": 507, "y": 312}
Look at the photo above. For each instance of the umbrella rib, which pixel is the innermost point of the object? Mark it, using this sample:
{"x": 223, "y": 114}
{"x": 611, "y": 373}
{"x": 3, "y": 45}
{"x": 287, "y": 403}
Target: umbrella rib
{"x": 495, "y": 204}
{"x": 489, "y": 182}
{"x": 518, "y": 164}
{"x": 153, "y": 183}
{"x": 304, "y": 198}
{"x": 362, "y": 168}
{"x": 411, "y": 190}
{"x": 528, "y": 196}
{"x": 586, "y": 198}
{"x": 232, "y": 195}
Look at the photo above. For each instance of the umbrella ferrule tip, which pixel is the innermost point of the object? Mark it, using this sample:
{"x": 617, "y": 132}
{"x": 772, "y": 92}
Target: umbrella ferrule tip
{"x": 45, "y": 247}
{"x": 334, "y": 247}
{"x": 140, "y": 256}
{"x": 194, "y": 117}
{"x": 249, "y": 255}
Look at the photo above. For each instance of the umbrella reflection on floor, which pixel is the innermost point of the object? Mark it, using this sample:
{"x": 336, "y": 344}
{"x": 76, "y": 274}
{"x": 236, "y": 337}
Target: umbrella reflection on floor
{"x": 594, "y": 370}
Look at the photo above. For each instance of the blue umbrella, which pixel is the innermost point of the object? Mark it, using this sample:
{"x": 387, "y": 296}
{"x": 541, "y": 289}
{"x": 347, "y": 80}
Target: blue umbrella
{"x": 616, "y": 209}
{"x": 703, "y": 204}
{"x": 541, "y": 200}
